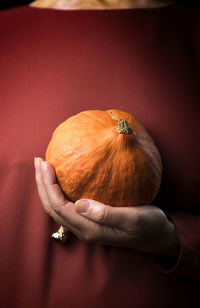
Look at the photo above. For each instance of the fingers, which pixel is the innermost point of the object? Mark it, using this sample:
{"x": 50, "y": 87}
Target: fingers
{"x": 142, "y": 228}
{"x": 121, "y": 217}
{"x": 53, "y": 190}
{"x": 42, "y": 184}
{"x": 54, "y": 201}
{"x": 89, "y": 220}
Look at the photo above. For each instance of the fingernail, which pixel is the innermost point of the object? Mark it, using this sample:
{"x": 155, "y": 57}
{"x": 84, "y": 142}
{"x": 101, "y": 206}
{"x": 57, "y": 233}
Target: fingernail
{"x": 44, "y": 165}
{"x": 82, "y": 206}
{"x": 36, "y": 162}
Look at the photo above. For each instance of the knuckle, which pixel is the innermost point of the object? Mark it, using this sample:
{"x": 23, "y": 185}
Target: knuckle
{"x": 57, "y": 208}
{"x": 89, "y": 236}
{"x": 100, "y": 214}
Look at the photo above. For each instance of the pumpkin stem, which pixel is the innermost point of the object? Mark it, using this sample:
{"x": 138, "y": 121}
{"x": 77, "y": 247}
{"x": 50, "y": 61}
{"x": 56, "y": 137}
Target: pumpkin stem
{"x": 123, "y": 127}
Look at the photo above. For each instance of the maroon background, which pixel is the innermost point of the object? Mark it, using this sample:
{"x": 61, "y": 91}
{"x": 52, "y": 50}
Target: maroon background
{"x": 55, "y": 64}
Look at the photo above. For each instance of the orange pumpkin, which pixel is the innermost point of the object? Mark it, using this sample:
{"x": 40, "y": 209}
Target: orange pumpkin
{"x": 106, "y": 156}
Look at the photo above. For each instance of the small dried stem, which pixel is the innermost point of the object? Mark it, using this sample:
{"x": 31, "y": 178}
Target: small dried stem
{"x": 123, "y": 127}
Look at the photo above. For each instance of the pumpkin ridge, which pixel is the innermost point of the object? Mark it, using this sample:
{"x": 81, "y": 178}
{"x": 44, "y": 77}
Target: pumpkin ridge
{"x": 97, "y": 166}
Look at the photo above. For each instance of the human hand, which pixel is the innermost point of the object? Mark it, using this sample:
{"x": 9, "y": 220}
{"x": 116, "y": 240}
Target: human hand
{"x": 143, "y": 228}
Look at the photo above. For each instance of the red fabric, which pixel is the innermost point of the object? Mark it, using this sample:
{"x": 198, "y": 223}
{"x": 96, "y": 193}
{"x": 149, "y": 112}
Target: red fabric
{"x": 54, "y": 64}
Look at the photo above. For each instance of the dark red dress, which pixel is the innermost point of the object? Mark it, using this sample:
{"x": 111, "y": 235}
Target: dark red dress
{"x": 54, "y": 64}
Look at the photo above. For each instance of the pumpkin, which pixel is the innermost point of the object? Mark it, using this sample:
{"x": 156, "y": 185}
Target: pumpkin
{"x": 106, "y": 156}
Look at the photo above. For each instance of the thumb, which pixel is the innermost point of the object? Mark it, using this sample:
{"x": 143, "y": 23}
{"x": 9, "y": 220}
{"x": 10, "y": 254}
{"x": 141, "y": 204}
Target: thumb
{"x": 105, "y": 214}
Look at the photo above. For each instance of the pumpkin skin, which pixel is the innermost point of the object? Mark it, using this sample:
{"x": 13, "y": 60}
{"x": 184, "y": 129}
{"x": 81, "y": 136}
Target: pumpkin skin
{"x": 94, "y": 161}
